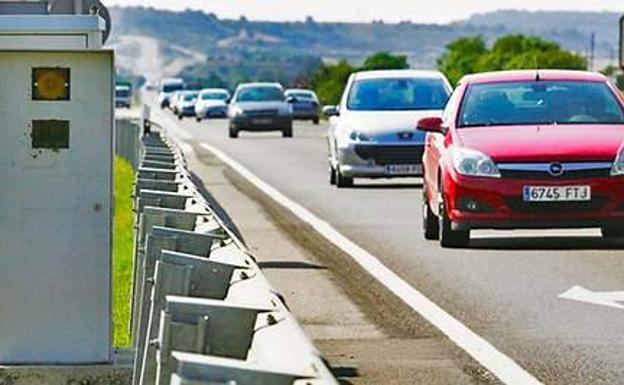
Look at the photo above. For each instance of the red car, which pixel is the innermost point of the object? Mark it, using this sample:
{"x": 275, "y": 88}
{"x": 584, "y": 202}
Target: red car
{"x": 525, "y": 149}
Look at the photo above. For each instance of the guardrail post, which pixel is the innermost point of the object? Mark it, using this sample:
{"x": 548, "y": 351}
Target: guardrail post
{"x": 203, "y": 326}
{"x": 158, "y": 240}
{"x": 148, "y": 219}
{"x": 183, "y": 275}
{"x": 163, "y": 199}
{"x": 156, "y": 185}
{"x": 194, "y": 369}
{"x": 156, "y": 173}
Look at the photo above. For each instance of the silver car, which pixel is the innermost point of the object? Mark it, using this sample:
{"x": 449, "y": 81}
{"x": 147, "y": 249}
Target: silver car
{"x": 261, "y": 107}
{"x": 373, "y": 134}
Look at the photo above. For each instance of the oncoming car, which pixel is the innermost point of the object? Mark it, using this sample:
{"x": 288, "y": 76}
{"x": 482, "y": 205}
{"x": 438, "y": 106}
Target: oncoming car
{"x": 372, "y": 133}
{"x": 525, "y": 149}
{"x": 123, "y": 96}
{"x": 260, "y": 107}
{"x": 212, "y": 102}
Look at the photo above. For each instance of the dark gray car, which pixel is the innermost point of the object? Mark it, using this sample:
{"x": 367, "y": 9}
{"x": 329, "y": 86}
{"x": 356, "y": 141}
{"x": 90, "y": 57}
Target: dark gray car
{"x": 261, "y": 107}
{"x": 307, "y": 105}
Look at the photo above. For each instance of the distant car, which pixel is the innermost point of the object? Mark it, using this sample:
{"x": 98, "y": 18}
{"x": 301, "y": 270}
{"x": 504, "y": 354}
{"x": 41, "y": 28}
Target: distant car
{"x": 151, "y": 86}
{"x": 167, "y": 88}
{"x": 185, "y": 104}
{"x": 123, "y": 96}
{"x": 525, "y": 149}
{"x": 306, "y": 104}
{"x": 373, "y": 133}
{"x": 261, "y": 107}
{"x": 212, "y": 102}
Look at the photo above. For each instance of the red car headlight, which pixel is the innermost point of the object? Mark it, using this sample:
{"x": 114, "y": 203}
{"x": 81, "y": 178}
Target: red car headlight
{"x": 474, "y": 163}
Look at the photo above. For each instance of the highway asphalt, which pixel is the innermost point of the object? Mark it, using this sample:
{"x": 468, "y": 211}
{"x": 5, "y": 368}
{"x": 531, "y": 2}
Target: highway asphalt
{"x": 506, "y": 287}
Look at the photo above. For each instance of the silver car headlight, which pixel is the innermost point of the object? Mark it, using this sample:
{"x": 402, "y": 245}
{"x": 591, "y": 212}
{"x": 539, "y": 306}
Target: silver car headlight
{"x": 474, "y": 163}
{"x": 618, "y": 165}
{"x": 237, "y": 111}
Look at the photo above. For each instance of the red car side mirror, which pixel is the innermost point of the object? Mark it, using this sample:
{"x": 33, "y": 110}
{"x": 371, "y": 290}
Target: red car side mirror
{"x": 431, "y": 125}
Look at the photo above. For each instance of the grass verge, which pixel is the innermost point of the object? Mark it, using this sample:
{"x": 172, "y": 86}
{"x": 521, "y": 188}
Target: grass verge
{"x": 123, "y": 240}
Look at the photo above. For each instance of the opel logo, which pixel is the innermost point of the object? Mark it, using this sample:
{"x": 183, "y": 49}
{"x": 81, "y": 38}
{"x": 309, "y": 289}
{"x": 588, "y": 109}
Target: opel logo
{"x": 556, "y": 169}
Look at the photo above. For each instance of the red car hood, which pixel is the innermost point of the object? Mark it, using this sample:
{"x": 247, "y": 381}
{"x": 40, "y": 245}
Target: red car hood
{"x": 562, "y": 143}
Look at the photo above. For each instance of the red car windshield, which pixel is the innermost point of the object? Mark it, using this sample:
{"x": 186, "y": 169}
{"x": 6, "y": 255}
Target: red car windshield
{"x": 540, "y": 102}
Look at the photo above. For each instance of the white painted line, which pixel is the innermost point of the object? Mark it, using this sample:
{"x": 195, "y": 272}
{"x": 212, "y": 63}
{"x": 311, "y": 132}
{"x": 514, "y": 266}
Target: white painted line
{"x": 481, "y": 350}
{"x": 608, "y": 298}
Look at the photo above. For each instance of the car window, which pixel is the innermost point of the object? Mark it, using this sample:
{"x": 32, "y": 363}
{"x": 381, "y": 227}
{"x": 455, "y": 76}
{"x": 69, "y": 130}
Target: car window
{"x": 169, "y": 88}
{"x": 190, "y": 97}
{"x": 302, "y": 95}
{"x": 398, "y": 94}
{"x": 214, "y": 96}
{"x": 122, "y": 93}
{"x": 260, "y": 94}
{"x": 540, "y": 102}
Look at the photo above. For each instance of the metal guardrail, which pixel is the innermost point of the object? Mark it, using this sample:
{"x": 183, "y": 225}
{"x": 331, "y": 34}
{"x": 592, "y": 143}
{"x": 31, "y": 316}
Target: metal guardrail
{"x": 203, "y": 312}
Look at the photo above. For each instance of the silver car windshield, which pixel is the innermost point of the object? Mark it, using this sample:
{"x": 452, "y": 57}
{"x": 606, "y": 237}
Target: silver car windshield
{"x": 214, "y": 96}
{"x": 260, "y": 94}
{"x": 401, "y": 94}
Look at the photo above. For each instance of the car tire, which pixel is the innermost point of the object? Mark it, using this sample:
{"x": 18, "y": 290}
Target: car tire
{"x": 450, "y": 238}
{"x": 180, "y": 116}
{"x": 316, "y": 121}
{"x": 233, "y": 132}
{"x": 613, "y": 231}
{"x": 332, "y": 175}
{"x": 431, "y": 223}
{"x": 343, "y": 181}
{"x": 198, "y": 119}
{"x": 287, "y": 132}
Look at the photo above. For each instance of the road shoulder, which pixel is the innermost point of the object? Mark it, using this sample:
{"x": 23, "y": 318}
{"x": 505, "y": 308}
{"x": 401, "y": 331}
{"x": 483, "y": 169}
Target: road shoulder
{"x": 365, "y": 332}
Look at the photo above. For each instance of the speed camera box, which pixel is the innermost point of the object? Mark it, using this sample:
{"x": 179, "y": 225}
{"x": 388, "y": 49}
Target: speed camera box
{"x": 56, "y": 109}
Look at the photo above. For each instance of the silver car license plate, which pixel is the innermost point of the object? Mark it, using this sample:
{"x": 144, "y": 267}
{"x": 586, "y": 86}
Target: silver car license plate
{"x": 557, "y": 194}
{"x": 262, "y": 122}
{"x": 404, "y": 169}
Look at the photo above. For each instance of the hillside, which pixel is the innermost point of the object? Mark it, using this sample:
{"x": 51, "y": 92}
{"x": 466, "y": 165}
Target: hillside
{"x": 241, "y": 49}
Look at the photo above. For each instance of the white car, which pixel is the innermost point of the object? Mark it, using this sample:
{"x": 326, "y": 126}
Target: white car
{"x": 212, "y": 102}
{"x": 185, "y": 104}
{"x": 373, "y": 133}
{"x": 167, "y": 88}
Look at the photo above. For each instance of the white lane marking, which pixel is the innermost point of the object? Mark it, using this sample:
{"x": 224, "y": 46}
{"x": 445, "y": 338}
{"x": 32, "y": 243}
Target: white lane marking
{"x": 607, "y": 298}
{"x": 476, "y": 346}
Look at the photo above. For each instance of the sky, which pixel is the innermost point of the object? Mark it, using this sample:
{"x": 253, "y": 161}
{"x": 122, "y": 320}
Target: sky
{"x": 437, "y": 11}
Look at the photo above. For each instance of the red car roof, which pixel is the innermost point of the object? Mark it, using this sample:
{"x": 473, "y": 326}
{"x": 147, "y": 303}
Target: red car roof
{"x": 528, "y": 75}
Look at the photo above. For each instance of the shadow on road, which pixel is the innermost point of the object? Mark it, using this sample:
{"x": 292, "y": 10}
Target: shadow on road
{"x": 547, "y": 243}
{"x": 344, "y": 374}
{"x": 384, "y": 186}
{"x": 289, "y": 265}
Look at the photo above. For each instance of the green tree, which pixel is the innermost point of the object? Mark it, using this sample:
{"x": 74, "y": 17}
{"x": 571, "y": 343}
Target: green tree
{"x": 470, "y": 55}
{"x": 461, "y": 57}
{"x": 329, "y": 81}
{"x": 385, "y": 61}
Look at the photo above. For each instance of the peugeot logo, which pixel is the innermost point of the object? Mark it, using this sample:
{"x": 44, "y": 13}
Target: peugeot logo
{"x": 406, "y": 135}
{"x": 556, "y": 169}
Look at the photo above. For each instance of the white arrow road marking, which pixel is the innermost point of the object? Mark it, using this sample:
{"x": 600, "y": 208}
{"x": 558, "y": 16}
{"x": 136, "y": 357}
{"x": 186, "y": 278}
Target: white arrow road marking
{"x": 503, "y": 367}
{"x": 608, "y": 298}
